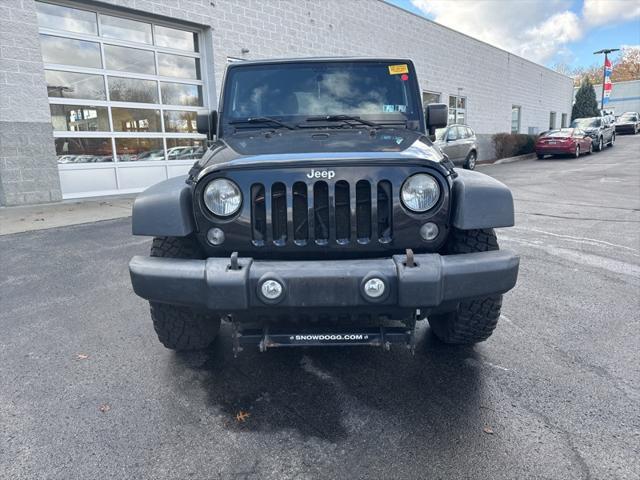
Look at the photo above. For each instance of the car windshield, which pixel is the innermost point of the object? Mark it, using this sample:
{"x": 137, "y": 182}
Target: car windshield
{"x": 440, "y": 133}
{"x": 559, "y": 133}
{"x": 374, "y": 91}
{"x": 628, "y": 118}
{"x": 586, "y": 123}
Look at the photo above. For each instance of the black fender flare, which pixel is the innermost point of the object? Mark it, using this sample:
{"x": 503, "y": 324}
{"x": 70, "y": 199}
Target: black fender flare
{"x": 480, "y": 201}
{"x": 164, "y": 209}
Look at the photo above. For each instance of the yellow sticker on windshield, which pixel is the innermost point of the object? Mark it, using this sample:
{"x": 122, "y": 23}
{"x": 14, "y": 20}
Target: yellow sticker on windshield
{"x": 398, "y": 69}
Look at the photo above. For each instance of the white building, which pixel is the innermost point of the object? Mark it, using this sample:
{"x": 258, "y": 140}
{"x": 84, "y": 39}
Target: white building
{"x": 100, "y": 98}
{"x": 625, "y": 97}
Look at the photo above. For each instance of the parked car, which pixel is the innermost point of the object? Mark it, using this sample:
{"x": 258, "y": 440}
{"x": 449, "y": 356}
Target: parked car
{"x": 323, "y": 216}
{"x": 185, "y": 153}
{"x": 458, "y": 142}
{"x": 628, "y": 122}
{"x": 565, "y": 141}
{"x": 600, "y": 129}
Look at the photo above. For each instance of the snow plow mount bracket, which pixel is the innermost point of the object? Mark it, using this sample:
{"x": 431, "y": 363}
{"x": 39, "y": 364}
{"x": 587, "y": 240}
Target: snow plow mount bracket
{"x": 271, "y": 337}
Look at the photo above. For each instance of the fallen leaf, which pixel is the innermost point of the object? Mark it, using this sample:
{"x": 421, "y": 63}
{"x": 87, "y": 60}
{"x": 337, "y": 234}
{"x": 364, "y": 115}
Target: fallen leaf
{"x": 105, "y": 408}
{"x": 82, "y": 356}
{"x": 488, "y": 430}
{"x": 242, "y": 416}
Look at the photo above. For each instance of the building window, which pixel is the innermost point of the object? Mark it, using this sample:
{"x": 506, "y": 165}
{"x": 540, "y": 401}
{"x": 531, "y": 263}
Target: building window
{"x": 516, "y": 113}
{"x": 430, "y": 97}
{"x": 563, "y": 123}
{"x": 121, "y": 89}
{"x": 457, "y": 109}
{"x": 552, "y": 120}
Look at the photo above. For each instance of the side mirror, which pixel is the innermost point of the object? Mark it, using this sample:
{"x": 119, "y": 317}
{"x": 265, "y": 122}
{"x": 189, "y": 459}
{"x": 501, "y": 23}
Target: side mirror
{"x": 207, "y": 123}
{"x": 436, "y": 116}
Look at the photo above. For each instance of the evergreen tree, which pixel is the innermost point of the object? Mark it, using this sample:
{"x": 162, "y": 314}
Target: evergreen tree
{"x": 586, "y": 104}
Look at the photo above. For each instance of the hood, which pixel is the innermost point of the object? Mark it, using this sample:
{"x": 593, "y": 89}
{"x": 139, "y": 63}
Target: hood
{"x": 318, "y": 146}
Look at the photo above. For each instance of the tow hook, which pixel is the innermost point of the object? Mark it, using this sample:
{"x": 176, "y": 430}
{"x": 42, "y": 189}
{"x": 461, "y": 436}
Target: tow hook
{"x": 409, "y": 260}
{"x": 233, "y": 265}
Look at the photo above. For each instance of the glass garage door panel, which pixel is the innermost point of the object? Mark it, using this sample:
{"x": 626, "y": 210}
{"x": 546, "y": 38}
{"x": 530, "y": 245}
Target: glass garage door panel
{"x": 124, "y": 95}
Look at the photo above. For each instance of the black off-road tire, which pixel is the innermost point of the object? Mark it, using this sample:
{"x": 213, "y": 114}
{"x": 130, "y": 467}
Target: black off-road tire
{"x": 475, "y": 320}
{"x": 176, "y": 247}
{"x": 181, "y": 328}
{"x": 612, "y": 141}
{"x": 540, "y": 156}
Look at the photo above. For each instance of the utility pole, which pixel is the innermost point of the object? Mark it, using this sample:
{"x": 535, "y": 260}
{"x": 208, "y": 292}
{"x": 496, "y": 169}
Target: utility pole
{"x": 606, "y": 52}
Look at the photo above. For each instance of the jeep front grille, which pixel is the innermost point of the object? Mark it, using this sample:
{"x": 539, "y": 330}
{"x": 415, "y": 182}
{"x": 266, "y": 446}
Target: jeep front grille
{"x": 321, "y": 212}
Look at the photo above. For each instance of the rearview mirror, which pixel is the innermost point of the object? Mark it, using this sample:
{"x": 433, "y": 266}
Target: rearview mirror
{"x": 206, "y": 123}
{"x": 436, "y": 116}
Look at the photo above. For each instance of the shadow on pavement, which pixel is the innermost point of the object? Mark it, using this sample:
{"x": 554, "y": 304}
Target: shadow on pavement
{"x": 329, "y": 393}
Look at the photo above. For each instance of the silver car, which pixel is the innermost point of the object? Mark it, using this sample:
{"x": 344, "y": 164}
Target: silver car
{"x": 459, "y": 143}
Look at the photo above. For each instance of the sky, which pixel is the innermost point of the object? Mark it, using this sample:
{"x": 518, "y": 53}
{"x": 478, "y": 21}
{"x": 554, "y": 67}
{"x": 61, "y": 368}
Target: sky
{"x": 548, "y": 32}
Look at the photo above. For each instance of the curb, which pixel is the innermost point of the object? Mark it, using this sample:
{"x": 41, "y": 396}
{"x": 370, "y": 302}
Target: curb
{"x": 526, "y": 156}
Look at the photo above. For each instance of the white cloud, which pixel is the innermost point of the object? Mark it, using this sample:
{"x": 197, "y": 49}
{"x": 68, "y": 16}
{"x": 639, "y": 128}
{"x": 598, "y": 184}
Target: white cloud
{"x": 600, "y": 12}
{"x": 534, "y": 29}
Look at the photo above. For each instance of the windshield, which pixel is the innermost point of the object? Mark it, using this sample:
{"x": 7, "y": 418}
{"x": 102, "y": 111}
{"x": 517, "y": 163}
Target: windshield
{"x": 628, "y": 118}
{"x": 586, "y": 123}
{"x": 559, "y": 133}
{"x": 380, "y": 92}
{"x": 440, "y": 133}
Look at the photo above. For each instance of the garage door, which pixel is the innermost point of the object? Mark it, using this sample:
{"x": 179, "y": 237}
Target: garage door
{"x": 124, "y": 94}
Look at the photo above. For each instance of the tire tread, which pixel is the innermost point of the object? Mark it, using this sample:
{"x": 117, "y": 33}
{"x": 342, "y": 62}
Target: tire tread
{"x": 475, "y": 320}
{"x": 179, "y": 327}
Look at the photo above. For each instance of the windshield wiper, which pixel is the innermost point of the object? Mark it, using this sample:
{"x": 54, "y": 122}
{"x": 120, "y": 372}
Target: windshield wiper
{"x": 263, "y": 120}
{"x": 341, "y": 118}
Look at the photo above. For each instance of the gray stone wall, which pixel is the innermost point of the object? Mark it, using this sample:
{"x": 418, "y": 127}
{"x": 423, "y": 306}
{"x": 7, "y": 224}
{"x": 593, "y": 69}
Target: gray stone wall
{"x": 28, "y": 168}
{"x": 486, "y": 150}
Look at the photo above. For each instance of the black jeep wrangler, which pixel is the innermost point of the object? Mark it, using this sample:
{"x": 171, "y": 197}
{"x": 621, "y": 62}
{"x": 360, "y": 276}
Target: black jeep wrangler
{"x": 322, "y": 214}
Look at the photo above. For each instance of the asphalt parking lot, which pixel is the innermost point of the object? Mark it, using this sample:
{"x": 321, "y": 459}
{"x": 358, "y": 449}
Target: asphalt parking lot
{"x": 86, "y": 390}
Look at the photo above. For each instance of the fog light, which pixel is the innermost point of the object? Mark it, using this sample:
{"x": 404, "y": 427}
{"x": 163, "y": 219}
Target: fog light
{"x": 215, "y": 236}
{"x": 271, "y": 289}
{"x": 374, "y": 288}
{"x": 429, "y": 231}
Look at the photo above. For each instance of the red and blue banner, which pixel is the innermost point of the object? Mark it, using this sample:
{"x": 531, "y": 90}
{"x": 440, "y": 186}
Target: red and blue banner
{"x": 608, "y": 68}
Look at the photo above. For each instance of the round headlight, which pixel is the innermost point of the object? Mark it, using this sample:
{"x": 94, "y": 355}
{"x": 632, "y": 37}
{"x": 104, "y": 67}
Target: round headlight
{"x": 420, "y": 192}
{"x": 222, "y": 197}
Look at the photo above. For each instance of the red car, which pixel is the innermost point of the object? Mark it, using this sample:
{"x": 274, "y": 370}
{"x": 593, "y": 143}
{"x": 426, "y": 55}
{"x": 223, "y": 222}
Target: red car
{"x": 566, "y": 141}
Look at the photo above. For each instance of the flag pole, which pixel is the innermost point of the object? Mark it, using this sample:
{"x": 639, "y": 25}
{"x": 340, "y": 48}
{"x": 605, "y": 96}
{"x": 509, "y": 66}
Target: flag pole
{"x": 604, "y": 81}
{"x": 606, "y": 52}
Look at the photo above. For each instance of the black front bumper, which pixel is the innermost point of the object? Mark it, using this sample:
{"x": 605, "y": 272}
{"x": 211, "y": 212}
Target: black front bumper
{"x": 433, "y": 281}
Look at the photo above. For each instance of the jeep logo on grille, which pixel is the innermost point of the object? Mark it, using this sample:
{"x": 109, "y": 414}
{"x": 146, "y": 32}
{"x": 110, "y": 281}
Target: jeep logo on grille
{"x": 328, "y": 174}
